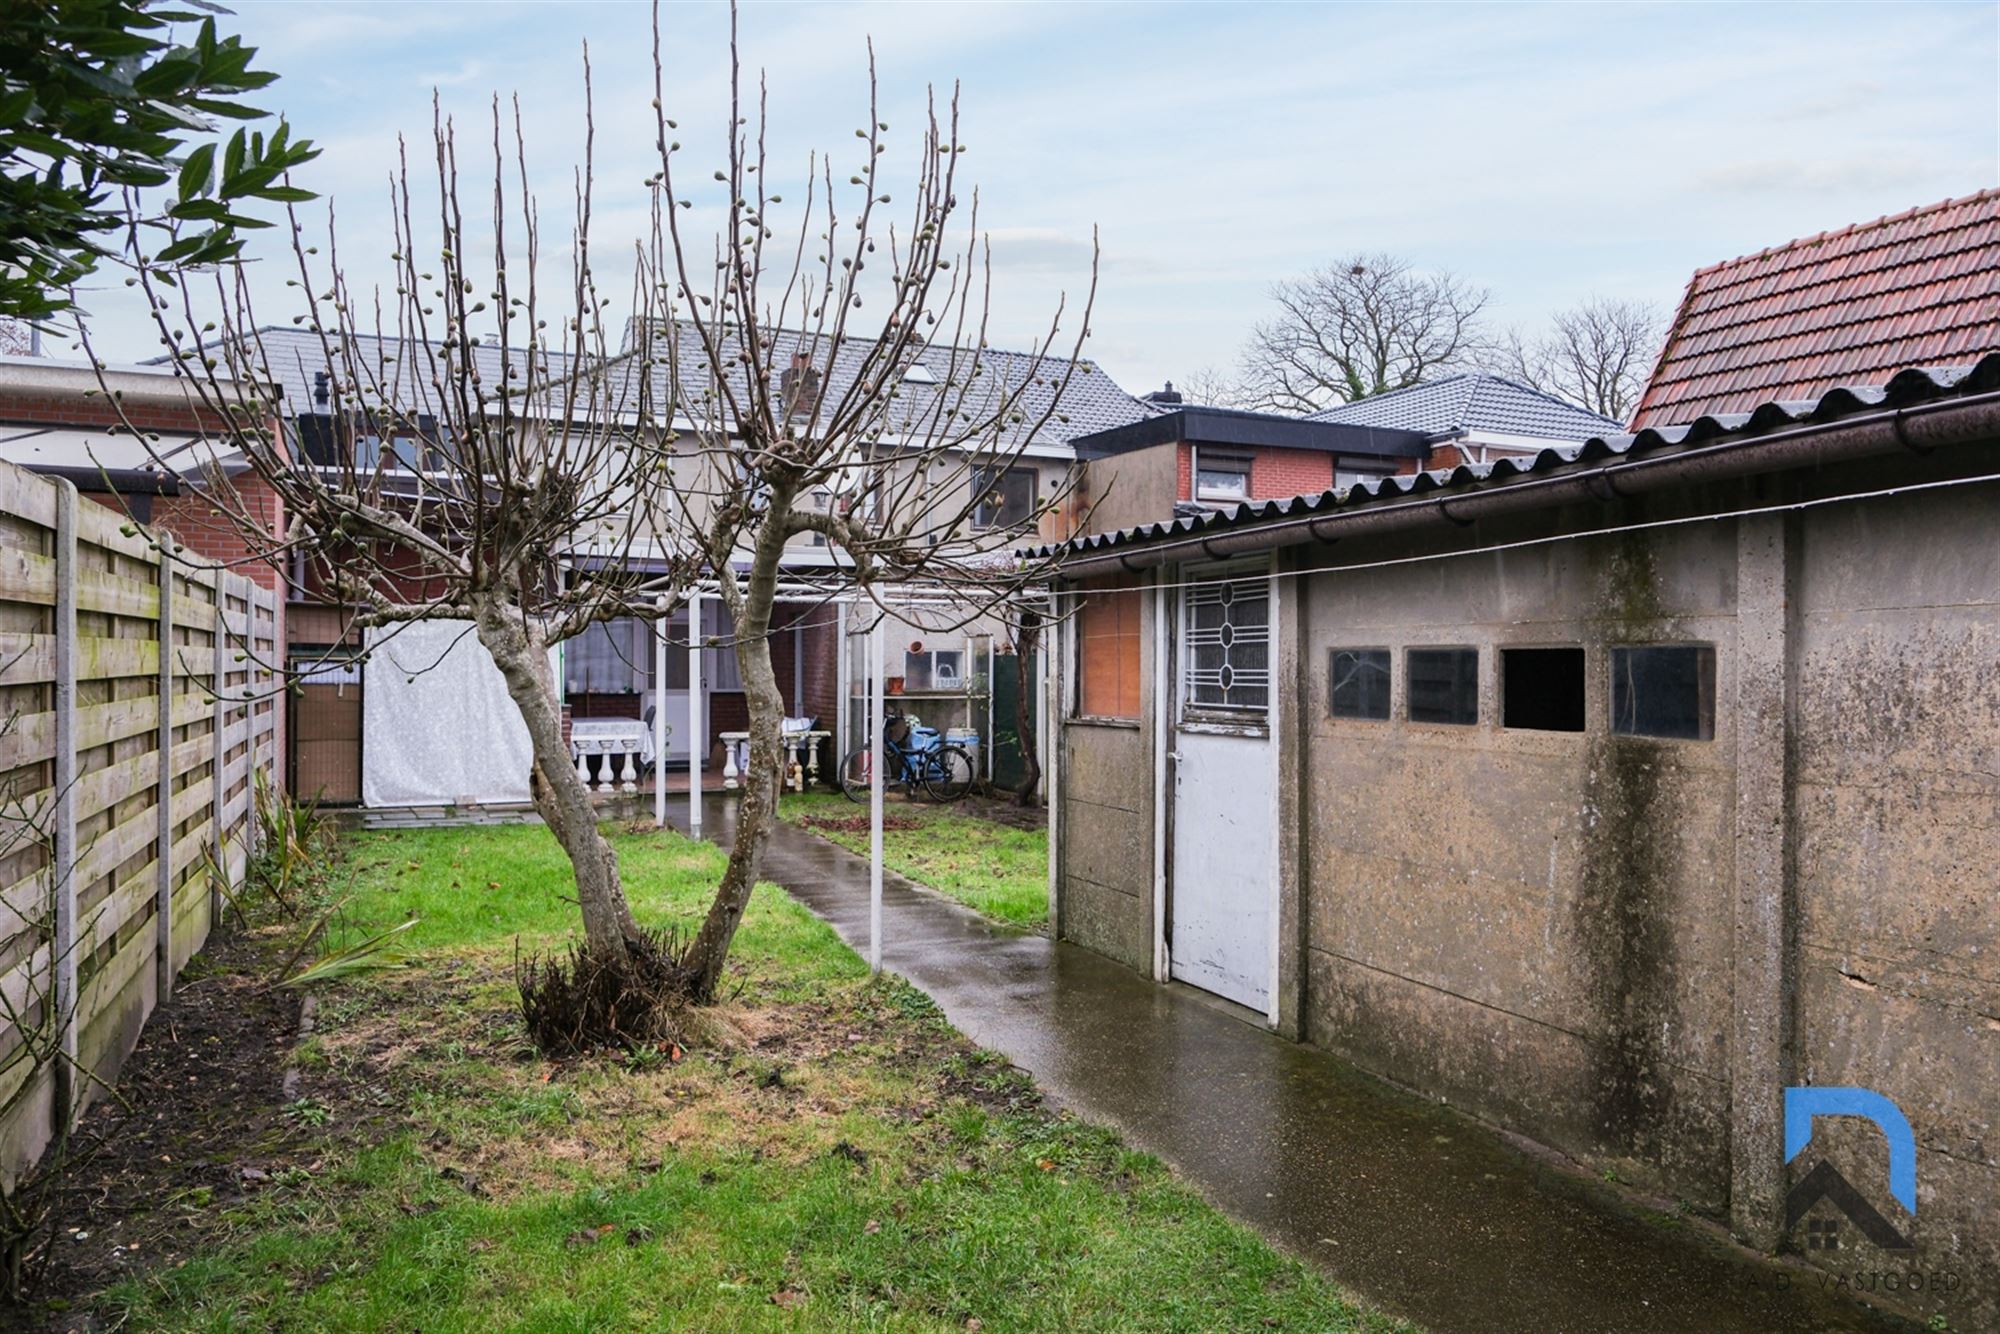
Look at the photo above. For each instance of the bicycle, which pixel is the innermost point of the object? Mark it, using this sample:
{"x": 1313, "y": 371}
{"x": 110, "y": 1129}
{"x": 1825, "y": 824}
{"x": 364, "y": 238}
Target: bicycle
{"x": 918, "y": 757}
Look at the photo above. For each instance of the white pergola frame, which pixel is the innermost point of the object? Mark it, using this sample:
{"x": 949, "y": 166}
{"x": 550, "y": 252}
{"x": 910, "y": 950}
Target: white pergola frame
{"x": 888, "y": 600}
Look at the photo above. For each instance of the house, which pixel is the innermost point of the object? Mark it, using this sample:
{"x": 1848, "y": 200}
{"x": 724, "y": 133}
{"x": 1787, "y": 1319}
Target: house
{"x": 58, "y": 418}
{"x": 1185, "y": 459}
{"x": 1603, "y": 794}
{"x": 1920, "y": 288}
{"x": 1473, "y": 417}
{"x": 947, "y": 660}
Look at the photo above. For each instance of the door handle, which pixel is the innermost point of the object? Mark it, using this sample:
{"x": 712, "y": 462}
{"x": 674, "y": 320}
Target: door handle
{"x": 1174, "y": 755}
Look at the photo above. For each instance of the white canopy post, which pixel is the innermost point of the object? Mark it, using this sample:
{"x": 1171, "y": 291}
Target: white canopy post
{"x": 879, "y": 753}
{"x": 695, "y": 734}
{"x": 843, "y": 670}
{"x": 660, "y": 715}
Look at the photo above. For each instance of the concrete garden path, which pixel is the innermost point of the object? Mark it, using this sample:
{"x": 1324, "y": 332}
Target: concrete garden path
{"x": 1412, "y": 1208}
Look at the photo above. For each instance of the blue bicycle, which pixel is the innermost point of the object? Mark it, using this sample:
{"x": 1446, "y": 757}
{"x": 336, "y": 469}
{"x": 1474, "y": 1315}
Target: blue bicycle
{"x": 918, "y": 758}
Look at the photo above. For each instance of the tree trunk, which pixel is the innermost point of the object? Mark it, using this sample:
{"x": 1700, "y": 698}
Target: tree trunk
{"x": 562, "y": 798}
{"x": 758, "y": 806}
{"x": 1026, "y": 637}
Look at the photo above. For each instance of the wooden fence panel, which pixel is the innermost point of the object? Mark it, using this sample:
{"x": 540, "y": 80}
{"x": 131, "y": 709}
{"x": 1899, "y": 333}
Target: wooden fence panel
{"x": 138, "y": 713}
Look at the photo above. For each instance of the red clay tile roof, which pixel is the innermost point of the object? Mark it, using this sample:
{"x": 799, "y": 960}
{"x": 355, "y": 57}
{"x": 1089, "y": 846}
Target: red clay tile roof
{"x": 1918, "y": 289}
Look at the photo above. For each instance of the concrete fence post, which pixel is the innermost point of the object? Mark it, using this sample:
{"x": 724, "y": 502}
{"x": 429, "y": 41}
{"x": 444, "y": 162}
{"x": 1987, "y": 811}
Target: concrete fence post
{"x": 258, "y": 677}
{"x": 218, "y": 807}
{"x": 1760, "y": 1038}
{"x": 163, "y": 926}
{"x": 62, "y": 834}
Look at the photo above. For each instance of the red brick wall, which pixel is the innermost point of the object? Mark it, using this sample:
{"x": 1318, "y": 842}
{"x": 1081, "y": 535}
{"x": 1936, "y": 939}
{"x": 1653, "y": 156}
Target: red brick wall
{"x": 1275, "y": 474}
{"x": 76, "y": 410}
{"x": 213, "y": 531}
{"x": 1280, "y": 474}
{"x": 821, "y": 668}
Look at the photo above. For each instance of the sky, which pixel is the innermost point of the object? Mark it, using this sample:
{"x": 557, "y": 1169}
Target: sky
{"x": 1547, "y": 153}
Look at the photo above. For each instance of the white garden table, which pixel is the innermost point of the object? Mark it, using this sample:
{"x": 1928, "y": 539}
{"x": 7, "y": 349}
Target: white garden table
{"x": 609, "y": 738}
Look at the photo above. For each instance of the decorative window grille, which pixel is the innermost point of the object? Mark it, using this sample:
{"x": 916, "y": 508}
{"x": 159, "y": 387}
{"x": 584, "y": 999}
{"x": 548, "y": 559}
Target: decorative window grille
{"x": 1227, "y": 660}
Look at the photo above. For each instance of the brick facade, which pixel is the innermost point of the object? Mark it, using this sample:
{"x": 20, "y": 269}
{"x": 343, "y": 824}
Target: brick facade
{"x": 1275, "y": 474}
{"x": 1280, "y": 474}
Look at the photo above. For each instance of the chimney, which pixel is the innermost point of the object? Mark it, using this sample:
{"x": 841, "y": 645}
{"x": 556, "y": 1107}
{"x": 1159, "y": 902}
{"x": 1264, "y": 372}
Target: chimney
{"x": 1167, "y": 395}
{"x": 799, "y": 387}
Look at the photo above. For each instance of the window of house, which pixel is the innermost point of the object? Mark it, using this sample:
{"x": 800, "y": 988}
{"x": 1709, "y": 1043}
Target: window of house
{"x": 1541, "y": 689}
{"x": 1222, "y": 477}
{"x": 368, "y": 441}
{"x": 1664, "y": 690}
{"x": 610, "y": 658}
{"x": 1107, "y": 650}
{"x": 1227, "y": 662}
{"x": 1442, "y": 685}
{"x": 1358, "y": 683}
{"x": 934, "y": 669}
{"x": 1006, "y": 497}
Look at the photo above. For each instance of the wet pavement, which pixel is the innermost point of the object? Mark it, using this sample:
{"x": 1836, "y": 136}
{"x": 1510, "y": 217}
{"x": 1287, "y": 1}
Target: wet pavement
{"x": 1416, "y": 1210}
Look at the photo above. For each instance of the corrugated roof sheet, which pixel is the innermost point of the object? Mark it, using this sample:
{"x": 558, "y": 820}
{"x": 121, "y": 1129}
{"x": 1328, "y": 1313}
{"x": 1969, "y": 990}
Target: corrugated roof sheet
{"x": 1921, "y": 288}
{"x": 1909, "y": 386}
{"x": 1472, "y": 401}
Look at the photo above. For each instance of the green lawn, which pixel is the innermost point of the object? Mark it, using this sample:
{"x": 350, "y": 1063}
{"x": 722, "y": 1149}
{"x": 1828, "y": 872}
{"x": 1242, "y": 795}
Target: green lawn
{"x": 998, "y": 870}
{"x": 838, "y": 1158}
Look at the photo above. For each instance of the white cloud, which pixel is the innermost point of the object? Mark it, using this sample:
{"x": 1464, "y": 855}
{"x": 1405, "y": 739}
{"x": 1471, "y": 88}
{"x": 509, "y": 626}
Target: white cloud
{"x": 1544, "y": 151}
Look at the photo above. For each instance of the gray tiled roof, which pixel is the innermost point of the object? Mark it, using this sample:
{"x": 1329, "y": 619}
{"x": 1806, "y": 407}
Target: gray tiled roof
{"x": 967, "y": 382}
{"x": 1917, "y": 385}
{"x": 1473, "y": 401}
{"x": 401, "y": 367}
{"x": 1092, "y": 401}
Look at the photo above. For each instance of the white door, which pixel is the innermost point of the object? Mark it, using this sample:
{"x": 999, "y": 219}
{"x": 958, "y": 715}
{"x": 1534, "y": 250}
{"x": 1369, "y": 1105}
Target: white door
{"x": 1224, "y": 865}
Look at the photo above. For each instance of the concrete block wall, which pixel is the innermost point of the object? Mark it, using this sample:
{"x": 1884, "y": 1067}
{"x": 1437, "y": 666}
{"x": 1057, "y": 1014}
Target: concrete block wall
{"x": 1627, "y": 948}
{"x": 1896, "y": 820}
{"x": 1105, "y": 857}
{"x": 1532, "y": 925}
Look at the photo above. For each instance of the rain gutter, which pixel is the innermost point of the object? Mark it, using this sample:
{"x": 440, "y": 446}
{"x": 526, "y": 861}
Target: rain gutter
{"x": 1919, "y": 428}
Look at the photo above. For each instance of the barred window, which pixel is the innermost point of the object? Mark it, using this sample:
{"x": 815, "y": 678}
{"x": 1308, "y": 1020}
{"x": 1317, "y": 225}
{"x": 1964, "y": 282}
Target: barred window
{"x": 1227, "y": 662}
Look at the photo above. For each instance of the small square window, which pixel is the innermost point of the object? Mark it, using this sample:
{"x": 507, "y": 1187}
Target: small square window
{"x": 1664, "y": 690}
{"x": 1541, "y": 689}
{"x": 1005, "y": 497}
{"x": 1358, "y": 683}
{"x": 1222, "y": 479}
{"x": 1443, "y": 685}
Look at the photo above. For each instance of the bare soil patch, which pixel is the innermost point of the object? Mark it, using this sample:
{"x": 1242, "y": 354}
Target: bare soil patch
{"x": 202, "y": 1124}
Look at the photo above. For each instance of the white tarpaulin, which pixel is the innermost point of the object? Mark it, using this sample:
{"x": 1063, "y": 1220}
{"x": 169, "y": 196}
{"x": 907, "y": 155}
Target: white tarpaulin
{"x": 437, "y": 725}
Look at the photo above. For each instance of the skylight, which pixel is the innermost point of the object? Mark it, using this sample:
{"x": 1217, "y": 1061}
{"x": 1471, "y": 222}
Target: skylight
{"x": 918, "y": 373}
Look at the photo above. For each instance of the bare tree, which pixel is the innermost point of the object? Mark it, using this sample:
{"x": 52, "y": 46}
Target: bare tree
{"x": 1361, "y": 325}
{"x": 462, "y": 461}
{"x": 501, "y": 461}
{"x": 1211, "y": 388}
{"x": 897, "y": 416}
{"x": 16, "y": 339}
{"x": 1598, "y": 354}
